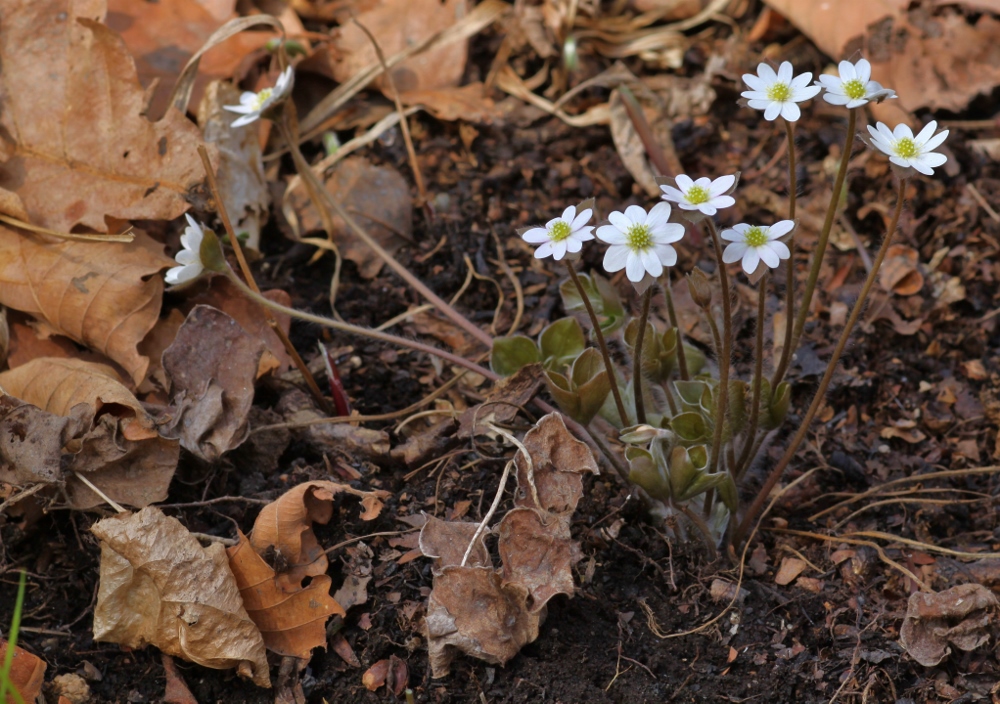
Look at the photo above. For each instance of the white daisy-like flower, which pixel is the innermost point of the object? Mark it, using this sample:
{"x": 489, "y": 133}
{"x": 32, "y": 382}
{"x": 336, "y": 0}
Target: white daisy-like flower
{"x": 189, "y": 257}
{"x": 854, "y": 87}
{"x": 756, "y": 243}
{"x": 704, "y": 195}
{"x": 777, "y": 93}
{"x": 253, "y": 105}
{"x": 640, "y": 242}
{"x": 566, "y": 233}
{"x": 908, "y": 151}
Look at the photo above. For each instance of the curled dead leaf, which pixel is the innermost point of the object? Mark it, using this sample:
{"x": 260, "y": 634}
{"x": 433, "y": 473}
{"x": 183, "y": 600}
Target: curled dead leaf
{"x": 900, "y": 272}
{"x": 160, "y": 587}
{"x": 27, "y": 672}
{"x": 211, "y": 367}
{"x": 964, "y": 616}
{"x": 447, "y": 541}
{"x": 553, "y": 480}
{"x": 109, "y": 437}
{"x": 284, "y": 527}
{"x": 291, "y": 618}
{"x": 392, "y": 673}
{"x": 537, "y": 552}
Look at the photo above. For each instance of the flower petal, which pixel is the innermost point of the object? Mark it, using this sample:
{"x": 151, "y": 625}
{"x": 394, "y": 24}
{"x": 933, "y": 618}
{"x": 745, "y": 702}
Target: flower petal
{"x": 580, "y": 220}
{"x": 847, "y": 71}
{"x": 759, "y": 104}
{"x": 734, "y": 252}
{"x": 766, "y": 73}
{"x": 925, "y": 134}
{"x": 573, "y": 245}
{"x": 781, "y": 249}
{"x": 611, "y": 234}
{"x": 615, "y": 258}
{"x": 902, "y": 131}
{"x": 772, "y": 111}
{"x": 634, "y": 269}
{"x": 731, "y": 235}
{"x": 721, "y": 185}
{"x": 750, "y": 260}
{"x": 569, "y": 213}
{"x": 790, "y": 112}
{"x": 544, "y": 250}
{"x": 635, "y": 215}
{"x": 245, "y": 120}
{"x": 672, "y": 194}
{"x": 785, "y": 72}
{"x": 755, "y": 82}
{"x": 768, "y": 256}
{"x": 684, "y": 182}
{"x": 800, "y": 95}
{"x": 863, "y": 70}
{"x": 651, "y": 262}
{"x": 780, "y": 229}
{"x": 558, "y": 249}
{"x": 666, "y": 254}
{"x": 658, "y": 213}
{"x": 801, "y": 81}
{"x": 723, "y": 202}
{"x": 536, "y": 235}
{"x": 935, "y": 141}
{"x": 835, "y": 98}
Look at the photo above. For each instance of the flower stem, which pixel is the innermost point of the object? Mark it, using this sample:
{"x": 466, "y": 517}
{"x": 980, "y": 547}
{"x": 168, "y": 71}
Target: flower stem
{"x": 824, "y": 384}
{"x": 758, "y": 381}
{"x": 722, "y": 403}
{"x": 325, "y": 200}
{"x": 220, "y": 206}
{"x": 702, "y": 526}
{"x": 361, "y": 331}
{"x": 601, "y": 342}
{"x": 640, "y": 406}
{"x": 817, "y": 260}
{"x": 668, "y": 295}
{"x": 793, "y": 192}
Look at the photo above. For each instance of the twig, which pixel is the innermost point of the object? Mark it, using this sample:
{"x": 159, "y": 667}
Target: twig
{"x": 111, "y": 502}
{"x": 489, "y": 514}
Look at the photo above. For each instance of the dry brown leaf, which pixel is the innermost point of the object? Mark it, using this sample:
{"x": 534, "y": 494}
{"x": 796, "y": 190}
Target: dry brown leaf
{"x": 81, "y": 148}
{"x": 392, "y": 673}
{"x": 291, "y": 619}
{"x": 162, "y": 36}
{"x": 297, "y": 407}
{"x": 938, "y": 61}
{"x": 446, "y": 542}
{"x": 377, "y": 197}
{"x": 471, "y": 610}
{"x": 27, "y": 672}
{"x": 114, "y": 440}
{"x": 900, "y": 272}
{"x": 177, "y": 691}
{"x": 104, "y": 295}
{"x": 283, "y": 528}
{"x": 211, "y": 367}
{"x": 468, "y": 103}
{"x": 538, "y": 552}
{"x": 397, "y": 24}
{"x": 32, "y": 441}
{"x": 553, "y": 481}
{"x": 964, "y": 616}
{"x": 357, "y": 571}
{"x": 160, "y": 587}
{"x": 503, "y": 402}
{"x": 790, "y": 568}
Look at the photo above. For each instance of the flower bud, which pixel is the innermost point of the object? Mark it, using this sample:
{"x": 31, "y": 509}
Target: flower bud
{"x": 700, "y": 288}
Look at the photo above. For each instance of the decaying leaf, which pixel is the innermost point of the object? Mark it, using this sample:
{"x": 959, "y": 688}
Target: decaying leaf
{"x": 110, "y": 437}
{"x": 160, "y": 587}
{"x": 392, "y": 673}
{"x": 82, "y": 149}
{"x": 283, "y": 528}
{"x": 398, "y": 24}
{"x": 900, "y": 272}
{"x": 104, "y": 295}
{"x": 488, "y": 613}
{"x": 297, "y": 408}
{"x": 292, "y": 619}
{"x": 964, "y": 616}
{"x": 32, "y": 441}
{"x": 938, "y": 61}
{"x": 27, "y": 672}
{"x": 357, "y": 571}
{"x": 503, "y": 402}
{"x": 377, "y": 197}
{"x": 211, "y": 367}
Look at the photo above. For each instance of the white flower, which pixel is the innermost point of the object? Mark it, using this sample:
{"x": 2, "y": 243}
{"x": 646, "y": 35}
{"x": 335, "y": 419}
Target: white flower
{"x": 189, "y": 258}
{"x": 702, "y": 195}
{"x": 755, "y": 244}
{"x": 908, "y": 151}
{"x": 253, "y": 105}
{"x": 561, "y": 235}
{"x": 640, "y": 243}
{"x": 854, "y": 86}
{"x": 777, "y": 93}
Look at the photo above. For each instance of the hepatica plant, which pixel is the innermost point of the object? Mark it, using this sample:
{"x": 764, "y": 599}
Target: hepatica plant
{"x": 688, "y": 425}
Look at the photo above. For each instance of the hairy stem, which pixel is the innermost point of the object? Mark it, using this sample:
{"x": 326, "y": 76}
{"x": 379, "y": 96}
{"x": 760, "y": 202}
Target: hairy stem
{"x": 668, "y": 295}
{"x": 601, "y": 343}
{"x": 824, "y": 384}
{"x": 722, "y": 404}
{"x": 793, "y": 192}
{"x": 817, "y": 260}
{"x": 640, "y": 405}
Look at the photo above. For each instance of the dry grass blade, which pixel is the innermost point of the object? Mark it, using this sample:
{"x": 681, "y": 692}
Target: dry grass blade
{"x": 126, "y": 236}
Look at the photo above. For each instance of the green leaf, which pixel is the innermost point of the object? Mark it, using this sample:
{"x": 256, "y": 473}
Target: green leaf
{"x": 690, "y": 392}
{"x": 511, "y": 353}
{"x": 561, "y": 343}
{"x": 602, "y": 296}
{"x": 695, "y": 359}
{"x": 728, "y": 493}
{"x": 780, "y": 401}
{"x": 644, "y": 471}
{"x": 690, "y": 426}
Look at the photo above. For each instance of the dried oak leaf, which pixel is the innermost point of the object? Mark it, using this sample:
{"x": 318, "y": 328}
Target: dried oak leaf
{"x": 472, "y": 610}
{"x": 537, "y": 552}
{"x": 27, "y": 672}
{"x": 81, "y": 149}
{"x": 553, "y": 480}
{"x": 399, "y": 24}
{"x": 964, "y": 616}
{"x": 104, "y": 295}
{"x": 115, "y": 443}
{"x": 211, "y": 368}
{"x": 284, "y": 527}
{"x": 377, "y": 197}
{"x": 291, "y": 619}
{"x": 446, "y": 542}
{"x": 160, "y": 587}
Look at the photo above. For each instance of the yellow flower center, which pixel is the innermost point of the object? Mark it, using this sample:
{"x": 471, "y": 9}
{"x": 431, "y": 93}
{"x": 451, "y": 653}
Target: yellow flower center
{"x": 559, "y": 231}
{"x": 755, "y": 236}
{"x": 905, "y": 148}
{"x": 697, "y": 195}
{"x": 855, "y": 89}
{"x": 262, "y": 97}
{"x": 638, "y": 237}
{"x": 779, "y": 92}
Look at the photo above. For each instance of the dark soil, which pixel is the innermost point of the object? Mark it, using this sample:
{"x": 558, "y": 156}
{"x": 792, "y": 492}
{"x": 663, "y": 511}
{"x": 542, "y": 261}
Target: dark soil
{"x": 835, "y": 638}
